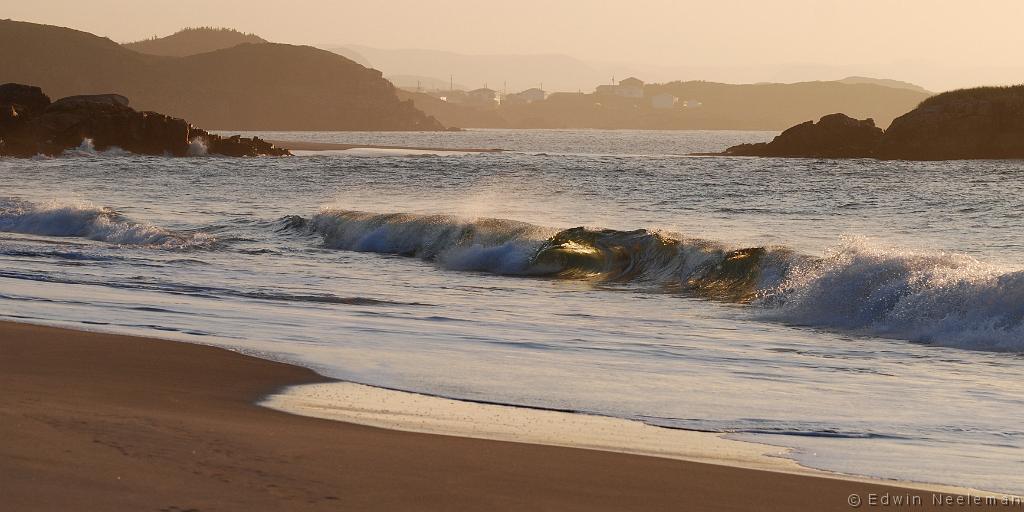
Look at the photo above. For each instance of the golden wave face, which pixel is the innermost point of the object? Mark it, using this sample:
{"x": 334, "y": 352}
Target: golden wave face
{"x": 734, "y": 279}
{"x": 611, "y": 255}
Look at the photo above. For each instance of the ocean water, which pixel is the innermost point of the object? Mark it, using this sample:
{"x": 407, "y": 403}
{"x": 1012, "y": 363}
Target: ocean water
{"x": 868, "y": 315}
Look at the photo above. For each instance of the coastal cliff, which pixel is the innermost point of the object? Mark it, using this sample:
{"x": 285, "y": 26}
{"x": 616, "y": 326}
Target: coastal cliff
{"x": 263, "y": 86}
{"x": 979, "y": 123}
{"x": 31, "y": 125}
{"x": 984, "y": 122}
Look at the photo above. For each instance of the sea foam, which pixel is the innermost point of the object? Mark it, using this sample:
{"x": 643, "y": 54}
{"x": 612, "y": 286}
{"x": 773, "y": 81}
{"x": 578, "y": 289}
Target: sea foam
{"x": 90, "y": 222}
{"x": 945, "y": 299}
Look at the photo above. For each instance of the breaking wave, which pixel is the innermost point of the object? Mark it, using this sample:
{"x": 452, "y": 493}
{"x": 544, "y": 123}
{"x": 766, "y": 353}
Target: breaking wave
{"x": 944, "y": 299}
{"x": 93, "y": 223}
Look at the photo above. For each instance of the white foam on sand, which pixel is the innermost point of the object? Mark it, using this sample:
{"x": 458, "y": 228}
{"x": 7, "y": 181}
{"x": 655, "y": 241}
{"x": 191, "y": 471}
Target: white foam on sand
{"x": 411, "y": 412}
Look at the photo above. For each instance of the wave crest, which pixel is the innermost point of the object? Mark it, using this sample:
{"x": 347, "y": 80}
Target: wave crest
{"x": 490, "y": 245}
{"x": 946, "y": 299}
{"x": 93, "y": 223}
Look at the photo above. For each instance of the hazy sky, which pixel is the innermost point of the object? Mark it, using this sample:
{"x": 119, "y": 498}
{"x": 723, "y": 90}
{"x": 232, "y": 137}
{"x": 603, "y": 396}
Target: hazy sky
{"x": 943, "y": 42}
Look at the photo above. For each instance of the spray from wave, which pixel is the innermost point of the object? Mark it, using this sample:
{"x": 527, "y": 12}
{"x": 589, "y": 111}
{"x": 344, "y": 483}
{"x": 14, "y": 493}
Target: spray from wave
{"x": 93, "y": 223}
{"x": 87, "y": 149}
{"x": 943, "y": 299}
{"x": 197, "y": 147}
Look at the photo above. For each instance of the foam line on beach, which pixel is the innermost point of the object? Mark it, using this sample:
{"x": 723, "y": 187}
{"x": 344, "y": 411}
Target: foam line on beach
{"x": 413, "y": 412}
{"x": 372, "y": 406}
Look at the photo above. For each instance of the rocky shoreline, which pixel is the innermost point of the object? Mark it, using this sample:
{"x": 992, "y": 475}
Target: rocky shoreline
{"x": 980, "y": 123}
{"x": 30, "y": 125}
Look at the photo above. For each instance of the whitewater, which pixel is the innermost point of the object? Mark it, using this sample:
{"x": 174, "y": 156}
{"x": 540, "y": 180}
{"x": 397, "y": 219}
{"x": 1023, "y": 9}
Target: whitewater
{"x": 869, "y": 316}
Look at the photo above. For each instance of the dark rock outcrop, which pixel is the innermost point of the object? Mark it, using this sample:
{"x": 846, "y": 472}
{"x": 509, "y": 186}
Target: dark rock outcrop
{"x": 979, "y": 123}
{"x": 30, "y": 125}
{"x": 833, "y": 136}
{"x": 18, "y": 104}
{"x": 986, "y": 122}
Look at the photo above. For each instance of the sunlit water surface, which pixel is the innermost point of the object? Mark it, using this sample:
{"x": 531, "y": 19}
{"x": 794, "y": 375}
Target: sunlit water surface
{"x": 899, "y": 357}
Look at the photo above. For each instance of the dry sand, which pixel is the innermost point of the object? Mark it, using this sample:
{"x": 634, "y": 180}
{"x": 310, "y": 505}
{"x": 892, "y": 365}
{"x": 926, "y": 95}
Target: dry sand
{"x": 101, "y": 422}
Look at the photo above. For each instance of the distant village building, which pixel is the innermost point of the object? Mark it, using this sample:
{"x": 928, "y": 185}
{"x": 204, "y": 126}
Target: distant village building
{"x": 663, "y": 100}
{"x": 691, "y": 104}
{"x": 606, "y": 90}
{"x": 483, "y": 97}
{"x": 528, "y": 96}
{"x": 454, "y": 96}
{"x": 630, "y": 88}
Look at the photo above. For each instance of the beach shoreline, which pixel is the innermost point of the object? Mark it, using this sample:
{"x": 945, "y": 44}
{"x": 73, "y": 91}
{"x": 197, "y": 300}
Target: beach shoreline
{"x": 121, "y": 422}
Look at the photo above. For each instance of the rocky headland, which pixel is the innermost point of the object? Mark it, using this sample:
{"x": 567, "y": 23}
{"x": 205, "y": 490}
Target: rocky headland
{"x": 30, "y": 124}
{"x": 979, "y": 123}
{"x": 219, "y": 88}
{"x": 833, "y": 136}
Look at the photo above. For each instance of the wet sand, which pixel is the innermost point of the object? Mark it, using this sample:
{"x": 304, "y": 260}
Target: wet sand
{"x": 101, "y": 422}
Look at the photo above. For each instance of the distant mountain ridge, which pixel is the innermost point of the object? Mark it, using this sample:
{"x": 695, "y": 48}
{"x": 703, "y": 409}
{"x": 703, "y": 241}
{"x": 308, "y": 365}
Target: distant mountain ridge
{"x": 885, "y": 82}
{"x": 193, "y": 40}
{"x": 264, "y": 86}
{"x": 556, "y": 72}
{"x": 691, "y": 105}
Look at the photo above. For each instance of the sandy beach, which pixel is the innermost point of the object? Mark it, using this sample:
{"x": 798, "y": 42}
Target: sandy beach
{"x": 104, "y": 422}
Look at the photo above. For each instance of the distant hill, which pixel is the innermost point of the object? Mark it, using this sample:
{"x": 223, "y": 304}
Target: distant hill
{"x": 190, "y": 41}
{"x": 246, "y": 87}
{"x": 557, "y": 72}
{"x": 425, "y": 83}
{"x": 718, "y": 107}
{"x": 350, "y": 54}
{"x": 454, "y": 114}
{"x": 779, "y": 106}
{"x": 885, "y": 82}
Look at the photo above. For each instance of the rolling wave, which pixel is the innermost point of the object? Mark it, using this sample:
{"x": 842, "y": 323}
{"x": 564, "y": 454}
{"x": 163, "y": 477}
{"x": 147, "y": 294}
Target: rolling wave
{"x": 937, "y": 298}
{"x": 490, "y": 245}
{"x": 93, "y": 223}
{"x": 944, "y": 299}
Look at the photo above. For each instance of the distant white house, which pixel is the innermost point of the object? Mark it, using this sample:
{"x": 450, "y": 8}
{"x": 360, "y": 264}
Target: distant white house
{"x": 454, "y": 96}
{"x": 663, "y": 100}
{"x": 691, "y": 103}
{"x": 630, "y": 88}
